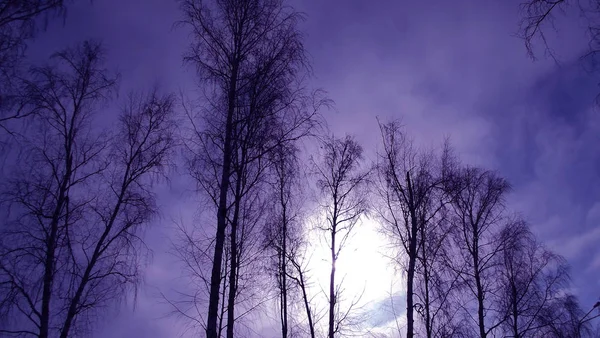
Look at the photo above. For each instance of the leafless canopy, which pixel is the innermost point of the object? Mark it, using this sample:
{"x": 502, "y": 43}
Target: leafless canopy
{"x": 342, "y": 182}
{"x": 71, "y": 240}
{"x": 251, "y": 60}
{"x": 18, "y": 19}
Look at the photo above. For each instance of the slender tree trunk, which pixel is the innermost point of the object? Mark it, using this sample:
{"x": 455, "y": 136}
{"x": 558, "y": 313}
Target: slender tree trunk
{"x": 307, "y": 306}
{"x": 479, "y": 288}
{"x": 410, "y": 292}
{"x": 428, "y": 321}
{"x": 332, "y": 299}
{"x": 412, "y": 257}
{"x": 215, "y": 278}
{"x": 72, "y": 312}
{"x": 302, "y": 284}
{"x": 223, "y": 298}
{"x": 429, "y": 325}
{"x": 284, "y": 305}
{"x": 232, "y": 283}
{"x": 234, "y": 265}
{"x": 51, "y": 243}
{"x": 48, "y": 279}
{"x": 515, "y": 311}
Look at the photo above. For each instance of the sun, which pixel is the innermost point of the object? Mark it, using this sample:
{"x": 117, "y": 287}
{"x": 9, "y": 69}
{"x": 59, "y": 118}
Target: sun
{"x": 363, "y": 272}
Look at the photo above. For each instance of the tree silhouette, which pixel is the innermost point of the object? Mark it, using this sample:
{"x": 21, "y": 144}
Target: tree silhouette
{"x": 71, "y": 238}
{"x": 412, "y": 195}
{"x": 342, "y": 182}
{"x": 18, "y": 20}
{"x": 250, "y": 54}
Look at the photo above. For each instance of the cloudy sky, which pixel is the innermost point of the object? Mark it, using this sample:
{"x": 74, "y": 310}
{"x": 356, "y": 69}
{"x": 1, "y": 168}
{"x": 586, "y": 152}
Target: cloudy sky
{"x": 447, "y": 68}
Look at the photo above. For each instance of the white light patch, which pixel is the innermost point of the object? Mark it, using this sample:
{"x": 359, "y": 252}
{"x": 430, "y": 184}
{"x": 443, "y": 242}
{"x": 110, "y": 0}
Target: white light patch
{"x": 364, "y": 274}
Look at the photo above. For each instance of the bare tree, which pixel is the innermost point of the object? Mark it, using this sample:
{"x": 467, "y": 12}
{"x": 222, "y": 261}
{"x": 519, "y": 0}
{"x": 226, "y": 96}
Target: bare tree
{"x": 141, "y": 152}
{"x": 298, "y": 274}
{"x": 436, "y": 285}
{"x": 65, "y": 156}
{"x": 532, "y": 280}
{"x": 341, "y": 180}
{"x": 565, "y": 318}
{"x": 479, "y": 215}
{"x": 286, "y": 239}
{"x": 18, "y": 20}
{"x": 536, "y": 13}
{"x": 539, "y": 15}
{"x": 77, "y": 212}
{"x": 414, "y": 193}
{"x": 250, "y": 54}
{"x": 281, "y": 228}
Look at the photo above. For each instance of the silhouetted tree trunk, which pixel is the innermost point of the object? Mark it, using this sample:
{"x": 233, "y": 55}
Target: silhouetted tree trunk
{"x": 300, "y": 278}
{"x": 285, "y": 237}
{"x": 436, "y": 286}
{"x": 282, "y": 233}
{"x": 233, "y": 265}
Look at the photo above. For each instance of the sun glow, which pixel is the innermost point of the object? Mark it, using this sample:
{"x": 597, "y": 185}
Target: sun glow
{"x": 363, "y": 272}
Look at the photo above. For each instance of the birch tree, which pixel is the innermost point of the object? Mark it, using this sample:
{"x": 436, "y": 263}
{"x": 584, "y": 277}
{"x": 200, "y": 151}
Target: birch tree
{"x": 250, "y": 56}
{"x": 71, "y": 241}
{"x": 341, "y": 180}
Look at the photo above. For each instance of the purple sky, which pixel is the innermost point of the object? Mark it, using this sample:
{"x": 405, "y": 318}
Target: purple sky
{"x": 447, "y": 68}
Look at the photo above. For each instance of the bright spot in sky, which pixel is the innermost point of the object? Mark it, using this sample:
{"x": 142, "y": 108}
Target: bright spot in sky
{"x": 365, "y": 272}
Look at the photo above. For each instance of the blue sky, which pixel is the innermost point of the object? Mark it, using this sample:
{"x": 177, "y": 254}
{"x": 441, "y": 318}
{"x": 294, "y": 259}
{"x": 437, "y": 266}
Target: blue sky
{"x": 447, "y": 68}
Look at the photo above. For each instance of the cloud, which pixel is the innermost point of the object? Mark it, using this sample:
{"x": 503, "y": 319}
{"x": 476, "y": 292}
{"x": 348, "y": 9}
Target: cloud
{"x": 573, "y": 247}
{"x": 446, "y": 68}
{"x": 387, "y": 311}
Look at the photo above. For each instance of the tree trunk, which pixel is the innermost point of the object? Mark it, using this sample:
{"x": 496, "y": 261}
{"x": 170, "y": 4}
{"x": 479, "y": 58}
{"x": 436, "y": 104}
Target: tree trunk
{"x": 412, "y": 257}
{"x": 72, "y": 312}
{"x": 479, "y": 287}
{"x": 307, "y": 306}
{"x": 48, "y": 278}
{"x": 515, "y": 309}
{"x": 302, "y": 284}
{"x": 428, "y": 321}
{"x": 332, "y": 299}
{"x": 234, "y": 265}
{"x": 409, "y": 292}
{"x": 215, "y": 278}
{"x": 49, "y": 262}
{"x": 284, "y": 305}
{"x": 223, "y": 298}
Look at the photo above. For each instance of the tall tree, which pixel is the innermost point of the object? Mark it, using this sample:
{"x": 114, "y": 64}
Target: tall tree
{"x": 413, "y": 192}
{"x": 286, "y": 240}
{"x": 65, "y": 157}
{"x": 299, "y": 275}
{"x": 141, "y": 153}
{"x": 250, "y": 54}
{"x": 479, "y": 215}
{"x": 72, "y": 234}
{"x": 532, "y": 281}
{"x": 341, "y": 179}
{"x": 280, "y": 237}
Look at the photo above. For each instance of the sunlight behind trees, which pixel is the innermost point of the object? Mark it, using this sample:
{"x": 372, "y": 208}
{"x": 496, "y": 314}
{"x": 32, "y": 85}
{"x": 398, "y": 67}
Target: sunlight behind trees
{"x": 368, "y": 276}
{"x": 289, "y": 226}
